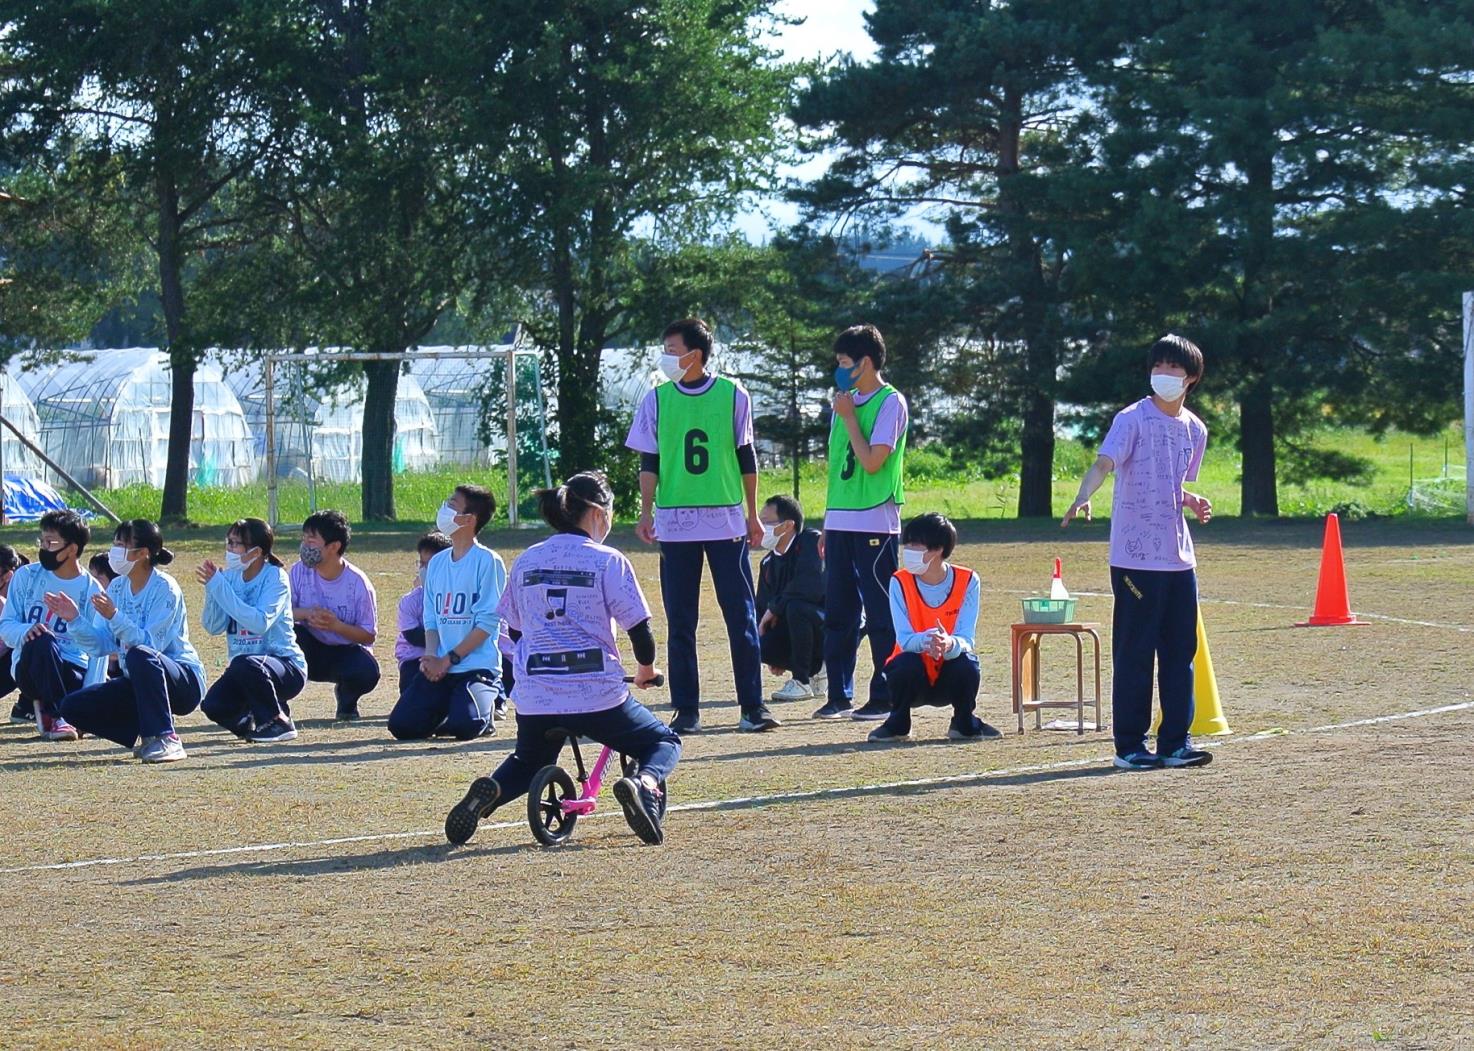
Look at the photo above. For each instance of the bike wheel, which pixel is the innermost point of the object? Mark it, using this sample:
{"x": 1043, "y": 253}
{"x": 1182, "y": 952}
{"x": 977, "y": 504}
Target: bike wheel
{"x": 545, "y": 797}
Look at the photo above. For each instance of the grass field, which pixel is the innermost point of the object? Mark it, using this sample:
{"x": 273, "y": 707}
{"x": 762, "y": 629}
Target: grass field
{"x": 933, "y": 481}
{"x": 1314, "y": 887}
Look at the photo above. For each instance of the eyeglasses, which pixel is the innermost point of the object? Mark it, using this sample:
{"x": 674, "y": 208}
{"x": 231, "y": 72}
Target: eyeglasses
{"x": 235, "y": 545}
{"x": 51, "y": 545}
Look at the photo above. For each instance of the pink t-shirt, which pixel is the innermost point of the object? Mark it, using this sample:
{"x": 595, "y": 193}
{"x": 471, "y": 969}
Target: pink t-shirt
{"x": 411, "y": 616}
{"x": 568, "y": 596}
{"x": 694, "y": 523}
{"x": 351, "y": 598}
{"x": 890, "y": 424}
{"x": 1154, "y": 454}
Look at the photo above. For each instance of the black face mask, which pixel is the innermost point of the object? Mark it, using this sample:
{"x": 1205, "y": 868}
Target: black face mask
{"x": 50, "y": 560}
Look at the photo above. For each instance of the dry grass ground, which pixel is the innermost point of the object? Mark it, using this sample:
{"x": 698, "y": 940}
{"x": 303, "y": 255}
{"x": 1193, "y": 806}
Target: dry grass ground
{"x": 1310, "y": 888}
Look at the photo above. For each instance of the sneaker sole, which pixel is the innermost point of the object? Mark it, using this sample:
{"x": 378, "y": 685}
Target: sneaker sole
{"x": 635, "y": 814}
{"x": 757, "y": 728}
{"x": 461, "y": 822}
{"x": 66, "y": 735}
{"x": 843, "y": 713}
{"x": 1122, "y": 764}
{"x": 173, "y": 758}
{"x": 868, "y": 717}
{"x": 1179, "y": 764}
{"x": 958, "y": 735}
{"x": 889, "y": 738}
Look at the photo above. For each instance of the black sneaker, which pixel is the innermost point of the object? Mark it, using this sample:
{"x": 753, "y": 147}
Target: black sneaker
{"x": 686, "y": 721}
{"x": 278, "y": 729}
{"x": 23, "y": 711}
{"x": 758, "y": 719}
{"x": 834, "y": 710}
{"x": 874, "y": 711}
{"x": 500, "y": 711}
{"x": 886, "y": 732}
{"x": 481, "y": 799}
{"x": 978, "y": 731}
{"x": 244, "y": 728}
{"x": 642, "y": 808}
{"x": 1187, "y": 755}
{"x": 347, "y": 715}
{"x": 1142, "y": 760}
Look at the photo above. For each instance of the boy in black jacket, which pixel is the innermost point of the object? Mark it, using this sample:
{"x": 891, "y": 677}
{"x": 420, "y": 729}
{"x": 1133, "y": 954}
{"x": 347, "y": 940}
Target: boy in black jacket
{"x": 790, "y": 600}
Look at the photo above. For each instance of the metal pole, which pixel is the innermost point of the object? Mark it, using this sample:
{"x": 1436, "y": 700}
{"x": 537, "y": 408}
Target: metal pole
{"x": 512, "y": 435}
{"x": 307, "y": 436}
{"x": 1469, "y": 406}
{"x": 271, "y": 515}
{"x": 49, "y": 462}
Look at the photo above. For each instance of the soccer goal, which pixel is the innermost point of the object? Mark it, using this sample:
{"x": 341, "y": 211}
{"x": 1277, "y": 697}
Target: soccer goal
{"x": 472, "y": 406}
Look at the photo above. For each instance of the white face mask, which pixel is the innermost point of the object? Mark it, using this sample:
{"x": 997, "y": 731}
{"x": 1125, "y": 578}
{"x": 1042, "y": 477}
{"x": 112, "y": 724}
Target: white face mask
{"x": 603, "y": 534}
{"x": 670, "y": 364}
{"x": 770, "y": 537}
{"x": 445, "y": 519}
{"x": 117, "y": 560}
{"x": 234, "y": 560}
{"x": 913, "y": 561}
{"x": 1168, "y": 388}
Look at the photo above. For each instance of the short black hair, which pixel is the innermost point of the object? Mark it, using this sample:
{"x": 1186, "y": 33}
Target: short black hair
{"x": 99, "y": 565}
{"x": 694, "y": 333}
{"x": 433, "y": 541}
{"x": 788, "y": 510}
{"x": 68, "y": 525}
{"x": 332, "y": 526}
{"x": 861, "y": 341}
{"x": 1176, "y": 350}
{"x": 479, "y": 502}
{"x": 933, "y": 530}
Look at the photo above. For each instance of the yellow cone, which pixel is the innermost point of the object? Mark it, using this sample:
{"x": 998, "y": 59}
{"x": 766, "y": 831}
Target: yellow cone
{"x": 1208, "y": 720}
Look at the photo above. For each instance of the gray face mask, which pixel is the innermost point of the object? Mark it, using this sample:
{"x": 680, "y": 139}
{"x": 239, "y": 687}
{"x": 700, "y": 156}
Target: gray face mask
{"x": 310, "y": 556}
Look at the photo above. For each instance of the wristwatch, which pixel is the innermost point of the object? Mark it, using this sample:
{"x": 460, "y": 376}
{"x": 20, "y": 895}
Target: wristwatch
{"x": 454, "y": 657}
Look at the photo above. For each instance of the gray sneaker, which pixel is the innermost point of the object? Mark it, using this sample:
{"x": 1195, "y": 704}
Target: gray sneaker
{"x": 163, "y": 749}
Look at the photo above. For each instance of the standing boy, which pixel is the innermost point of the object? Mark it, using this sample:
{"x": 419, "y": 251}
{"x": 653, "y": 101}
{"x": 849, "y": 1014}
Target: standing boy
{"x": 459, "y": 684}
{"x": 336, "y": 612}
{"x": 1154, "y": 446}
{"x": 47, "y": 661}
{"x": 698, "y": 469}
{"x": 867, "y": 455}
{"x": 790, "y": 594}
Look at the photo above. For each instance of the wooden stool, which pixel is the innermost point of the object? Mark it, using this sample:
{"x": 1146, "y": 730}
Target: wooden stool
{"x": 1024, "y": 650}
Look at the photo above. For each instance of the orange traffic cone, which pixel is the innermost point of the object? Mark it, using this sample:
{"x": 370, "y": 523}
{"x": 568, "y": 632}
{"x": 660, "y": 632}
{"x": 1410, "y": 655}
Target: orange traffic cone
{"x": 1332, "y": 600}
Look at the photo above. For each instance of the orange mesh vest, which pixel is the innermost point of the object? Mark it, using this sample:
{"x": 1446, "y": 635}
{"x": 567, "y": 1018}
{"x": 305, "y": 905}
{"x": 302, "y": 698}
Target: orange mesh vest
{"x": 924, "y": 617}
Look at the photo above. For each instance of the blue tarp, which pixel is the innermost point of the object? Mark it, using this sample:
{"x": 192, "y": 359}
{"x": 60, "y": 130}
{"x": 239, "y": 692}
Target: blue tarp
{"x": 27, "y": 498}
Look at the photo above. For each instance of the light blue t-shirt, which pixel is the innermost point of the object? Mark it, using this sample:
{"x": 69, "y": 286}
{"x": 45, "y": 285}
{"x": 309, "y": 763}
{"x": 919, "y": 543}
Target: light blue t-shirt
{"x": 255, "y": 615}
{"x": 461, "y": 596}
{"x": 154, "y": 617}
{"x": 26, "y": 607}
{"x": 912, "y": 641}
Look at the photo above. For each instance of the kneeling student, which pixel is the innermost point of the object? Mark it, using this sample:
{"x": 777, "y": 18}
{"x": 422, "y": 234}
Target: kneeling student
{"x": 335, "y": 612}
{"x": 935, "y": 609}
{"x": 140, "y": 620}
{"x": 790, "y": 600}
{"x": 409, "y": 644}
{"x": 566, "y": 596}
{"x": 460, "y": 678}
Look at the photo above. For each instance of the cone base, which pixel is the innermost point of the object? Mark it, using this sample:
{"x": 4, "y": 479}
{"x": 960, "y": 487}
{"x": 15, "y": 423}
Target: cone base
{"x": 1333, "y": 622}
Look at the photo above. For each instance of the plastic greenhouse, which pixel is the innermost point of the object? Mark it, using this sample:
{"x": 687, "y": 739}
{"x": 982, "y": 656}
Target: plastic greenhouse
{"x": 104, "y": 417}
{"x": 16, "y": 406}
{"x": 469, "y": 398}
{"x": 319, "y": 433}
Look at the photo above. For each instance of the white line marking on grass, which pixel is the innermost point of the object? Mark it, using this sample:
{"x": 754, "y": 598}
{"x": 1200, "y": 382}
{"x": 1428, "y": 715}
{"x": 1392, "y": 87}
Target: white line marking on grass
{"x": 736, "y": 801}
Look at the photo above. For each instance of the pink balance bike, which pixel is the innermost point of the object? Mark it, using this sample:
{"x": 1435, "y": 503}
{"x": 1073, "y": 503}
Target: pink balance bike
{"x": 555, "y": 802}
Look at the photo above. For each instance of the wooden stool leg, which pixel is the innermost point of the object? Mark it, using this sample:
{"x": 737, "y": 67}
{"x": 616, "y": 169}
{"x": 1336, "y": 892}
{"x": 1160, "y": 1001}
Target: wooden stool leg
{"x": 1079, "y": 684}
{"x": 1018, "y": 699}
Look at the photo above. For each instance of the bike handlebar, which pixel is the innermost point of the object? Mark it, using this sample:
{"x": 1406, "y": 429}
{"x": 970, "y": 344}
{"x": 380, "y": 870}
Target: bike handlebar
{"x": 659, "y": 680}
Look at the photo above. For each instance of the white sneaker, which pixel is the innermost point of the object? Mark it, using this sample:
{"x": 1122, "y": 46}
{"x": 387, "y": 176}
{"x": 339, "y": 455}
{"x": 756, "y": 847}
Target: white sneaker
{"x": 819, "y": 682}
{"x": 164, "y": 749}
{"x": 793, "y": 690}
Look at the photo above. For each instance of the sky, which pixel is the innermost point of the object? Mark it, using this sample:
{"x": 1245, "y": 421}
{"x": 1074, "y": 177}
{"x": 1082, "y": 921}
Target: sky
{"x": 828, "y": 27}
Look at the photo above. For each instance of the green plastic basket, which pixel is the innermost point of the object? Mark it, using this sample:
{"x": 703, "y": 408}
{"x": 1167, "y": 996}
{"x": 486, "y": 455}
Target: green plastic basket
{"x": 1049, "y": 610}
